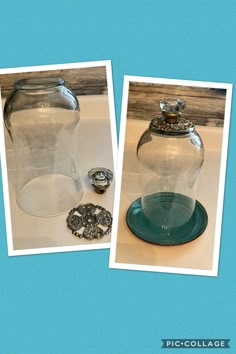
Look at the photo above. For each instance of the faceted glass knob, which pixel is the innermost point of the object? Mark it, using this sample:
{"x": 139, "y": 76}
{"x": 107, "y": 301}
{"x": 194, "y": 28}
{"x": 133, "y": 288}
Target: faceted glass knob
{"x": 170, "y": 105}
{"x": 100, "y": 179}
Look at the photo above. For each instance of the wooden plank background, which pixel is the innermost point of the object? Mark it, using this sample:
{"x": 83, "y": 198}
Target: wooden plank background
{"x": 204, "y": 106}
{"x": 84, "y": 81}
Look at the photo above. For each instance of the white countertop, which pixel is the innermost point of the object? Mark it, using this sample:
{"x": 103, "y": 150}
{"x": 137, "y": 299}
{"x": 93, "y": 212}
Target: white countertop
{"x": 95, "y": 144}
{"x": 197, "y": 254}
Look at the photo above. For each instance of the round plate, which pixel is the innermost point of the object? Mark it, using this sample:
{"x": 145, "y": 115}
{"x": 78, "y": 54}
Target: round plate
{"x": 144, "y": 229}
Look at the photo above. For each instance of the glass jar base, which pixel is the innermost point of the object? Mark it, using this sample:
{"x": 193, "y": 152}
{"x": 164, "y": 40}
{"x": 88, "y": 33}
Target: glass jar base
{"x": 49, "y": 195}
{"x": 168, "y": 210}
{"x": 147, "y": 231}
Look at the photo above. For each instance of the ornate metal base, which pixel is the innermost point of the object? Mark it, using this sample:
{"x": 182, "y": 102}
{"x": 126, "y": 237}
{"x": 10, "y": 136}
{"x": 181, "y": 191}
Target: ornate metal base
{"x": 93, "y": 221}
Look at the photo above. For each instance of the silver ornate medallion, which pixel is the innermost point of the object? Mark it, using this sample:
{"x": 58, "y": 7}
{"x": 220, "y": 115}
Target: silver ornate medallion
{"x": 182, "y": 125}
{"x": 89, "y": 221}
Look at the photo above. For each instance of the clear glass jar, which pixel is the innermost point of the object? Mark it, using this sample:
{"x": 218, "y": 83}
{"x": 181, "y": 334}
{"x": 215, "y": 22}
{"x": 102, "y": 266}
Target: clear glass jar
{"x": 170, "y": 154}
{"x": 42, "y": 117}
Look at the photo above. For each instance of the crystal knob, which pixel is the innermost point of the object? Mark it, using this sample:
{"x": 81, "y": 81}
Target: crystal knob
{"x": 172, "y": 105}
{"x": 100, "y": 178}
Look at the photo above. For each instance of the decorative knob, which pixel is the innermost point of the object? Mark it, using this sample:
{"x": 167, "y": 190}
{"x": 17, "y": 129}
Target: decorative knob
{"x": 171, "y": 109}
{"x": 100, "y": 179}
{"x": 172, "y": 105}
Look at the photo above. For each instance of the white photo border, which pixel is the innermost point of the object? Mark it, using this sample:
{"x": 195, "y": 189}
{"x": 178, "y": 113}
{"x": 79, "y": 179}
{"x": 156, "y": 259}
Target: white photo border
{"x": 6, "y": 199}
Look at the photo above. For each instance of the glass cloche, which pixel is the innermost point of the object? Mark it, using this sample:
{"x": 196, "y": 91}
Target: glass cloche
{"x": 42, "y": 117}
{"x": 170, "y": 154}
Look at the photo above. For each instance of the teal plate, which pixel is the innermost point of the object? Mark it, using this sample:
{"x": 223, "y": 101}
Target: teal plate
{"x": 144, "y": 229}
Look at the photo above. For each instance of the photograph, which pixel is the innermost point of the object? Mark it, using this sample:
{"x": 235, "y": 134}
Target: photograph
{"x": 170, "y": 175}
{"x": 58, "y": 151}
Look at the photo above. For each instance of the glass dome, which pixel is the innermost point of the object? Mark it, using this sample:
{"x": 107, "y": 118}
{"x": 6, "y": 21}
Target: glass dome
{"x": 170, "y": 154}
{"x": 42, "y": 118}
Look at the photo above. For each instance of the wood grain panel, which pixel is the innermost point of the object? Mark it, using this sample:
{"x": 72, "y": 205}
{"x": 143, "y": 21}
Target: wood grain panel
{"x": 205, "y": 106}
{"x": 84, "y": 81}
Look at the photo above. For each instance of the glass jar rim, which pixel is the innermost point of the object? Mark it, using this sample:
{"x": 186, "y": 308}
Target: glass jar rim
{"x": 37, "y": 83}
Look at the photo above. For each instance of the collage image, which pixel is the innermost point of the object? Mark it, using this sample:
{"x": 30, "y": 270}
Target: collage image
{"x": 155, "y": 198}
{"x": 118, "y": 177}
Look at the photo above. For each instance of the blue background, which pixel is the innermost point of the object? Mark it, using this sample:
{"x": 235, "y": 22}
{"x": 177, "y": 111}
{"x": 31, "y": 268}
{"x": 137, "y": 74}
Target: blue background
{"x": 71, "y": 302}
